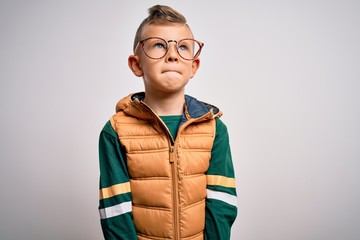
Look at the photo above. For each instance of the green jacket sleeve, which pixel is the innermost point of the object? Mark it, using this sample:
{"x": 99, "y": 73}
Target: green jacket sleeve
{"x": 115, "y": 206}
{"x": 221, "y": 201}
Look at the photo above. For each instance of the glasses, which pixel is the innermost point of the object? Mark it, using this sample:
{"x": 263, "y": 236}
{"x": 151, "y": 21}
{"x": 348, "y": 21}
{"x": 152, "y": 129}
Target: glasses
{"x": 156, "y": 48}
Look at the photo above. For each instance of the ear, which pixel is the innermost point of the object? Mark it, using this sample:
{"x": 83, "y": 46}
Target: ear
{"x": 195, "y": 67}
{"x": 134, "y": 65}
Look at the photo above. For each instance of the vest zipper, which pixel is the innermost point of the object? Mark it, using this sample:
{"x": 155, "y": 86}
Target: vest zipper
{"x": 172, "y": 154}
{"x": 173, "y": 162}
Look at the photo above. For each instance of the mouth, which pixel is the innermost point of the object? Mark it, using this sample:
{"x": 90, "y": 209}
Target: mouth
{"x": 171, "y": 71}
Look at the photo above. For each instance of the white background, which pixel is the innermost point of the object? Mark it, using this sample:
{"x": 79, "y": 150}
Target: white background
{"x": 285, "y": 73}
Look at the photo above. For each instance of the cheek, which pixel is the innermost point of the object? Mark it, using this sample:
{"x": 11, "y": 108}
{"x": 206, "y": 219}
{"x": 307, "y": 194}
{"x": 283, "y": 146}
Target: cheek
{"x": 148, "y": 70}
{"x": 150, "y": 65}
{"x": 190, "y": 69}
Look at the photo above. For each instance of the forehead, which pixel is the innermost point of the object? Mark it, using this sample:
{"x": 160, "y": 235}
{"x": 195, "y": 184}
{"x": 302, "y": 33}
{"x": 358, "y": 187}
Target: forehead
{"x": 168, "y": 32}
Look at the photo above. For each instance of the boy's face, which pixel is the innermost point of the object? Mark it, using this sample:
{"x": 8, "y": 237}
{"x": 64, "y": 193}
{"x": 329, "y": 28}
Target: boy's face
{"x": 171, "y": 73}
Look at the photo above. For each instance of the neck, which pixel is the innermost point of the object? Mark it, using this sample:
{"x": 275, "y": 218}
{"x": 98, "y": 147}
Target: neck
{"x": 165, "y": 105}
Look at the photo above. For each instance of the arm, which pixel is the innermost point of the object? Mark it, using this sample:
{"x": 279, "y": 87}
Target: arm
{"x": 221, "y": 201}
{"x": 115, "y": 194}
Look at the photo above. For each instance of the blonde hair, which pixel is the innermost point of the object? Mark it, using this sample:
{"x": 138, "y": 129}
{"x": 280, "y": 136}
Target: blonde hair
{"x": 159, "y": 14}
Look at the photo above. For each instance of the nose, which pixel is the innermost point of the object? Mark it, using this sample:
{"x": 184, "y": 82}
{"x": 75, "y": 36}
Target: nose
{"x": 172, "y": 54}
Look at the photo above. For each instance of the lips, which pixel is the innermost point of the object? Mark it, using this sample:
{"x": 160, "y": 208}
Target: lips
{"x": 171, "y": 70}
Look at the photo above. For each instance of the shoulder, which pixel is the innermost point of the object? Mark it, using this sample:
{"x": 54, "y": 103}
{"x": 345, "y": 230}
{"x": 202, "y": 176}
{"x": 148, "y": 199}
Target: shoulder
{"x": 221, "y": 127}
{"x": 108, "y": 130}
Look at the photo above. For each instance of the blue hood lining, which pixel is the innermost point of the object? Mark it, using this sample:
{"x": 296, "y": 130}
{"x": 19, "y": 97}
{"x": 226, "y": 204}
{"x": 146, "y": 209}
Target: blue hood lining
{"x": 195, "y": 107}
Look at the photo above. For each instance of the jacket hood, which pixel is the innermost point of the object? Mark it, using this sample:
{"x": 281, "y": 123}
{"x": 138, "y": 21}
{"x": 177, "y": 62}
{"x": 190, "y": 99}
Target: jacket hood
{"x": 133, "y": 105}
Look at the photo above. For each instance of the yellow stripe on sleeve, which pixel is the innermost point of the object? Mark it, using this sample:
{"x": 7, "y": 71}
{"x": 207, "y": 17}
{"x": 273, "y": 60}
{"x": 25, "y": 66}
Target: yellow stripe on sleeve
{"x": 220, "y": 181}
{"x": 114, "y": 190}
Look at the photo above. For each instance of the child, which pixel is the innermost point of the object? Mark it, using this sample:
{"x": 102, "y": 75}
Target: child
{"x": 165, "y": 164}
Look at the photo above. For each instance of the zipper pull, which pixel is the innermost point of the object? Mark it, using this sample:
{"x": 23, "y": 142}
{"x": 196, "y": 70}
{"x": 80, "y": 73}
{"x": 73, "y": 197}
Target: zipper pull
{"x": 172, "y": 154}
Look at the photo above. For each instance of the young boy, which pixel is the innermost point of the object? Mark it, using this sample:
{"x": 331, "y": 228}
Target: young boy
{"x": 165, "y": 164}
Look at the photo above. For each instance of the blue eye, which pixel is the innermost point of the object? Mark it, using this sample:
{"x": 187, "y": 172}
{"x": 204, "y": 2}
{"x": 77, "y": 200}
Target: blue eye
{"x": 159, "y": 45}
{"x": 183, "y": 48}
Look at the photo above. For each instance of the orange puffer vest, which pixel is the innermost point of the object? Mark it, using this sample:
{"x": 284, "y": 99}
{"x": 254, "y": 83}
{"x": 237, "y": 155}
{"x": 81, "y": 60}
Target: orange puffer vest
{"x": 167, "y": 177}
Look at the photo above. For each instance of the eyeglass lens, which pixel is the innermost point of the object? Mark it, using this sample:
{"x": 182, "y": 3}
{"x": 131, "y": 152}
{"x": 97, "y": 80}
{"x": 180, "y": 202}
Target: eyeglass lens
{"x": 157, "y": 48}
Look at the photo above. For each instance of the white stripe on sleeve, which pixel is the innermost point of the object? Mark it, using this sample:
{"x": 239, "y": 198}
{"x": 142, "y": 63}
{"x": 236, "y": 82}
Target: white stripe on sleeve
{"x": 115, "y": 210}
{"x": 225, "y": 197}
